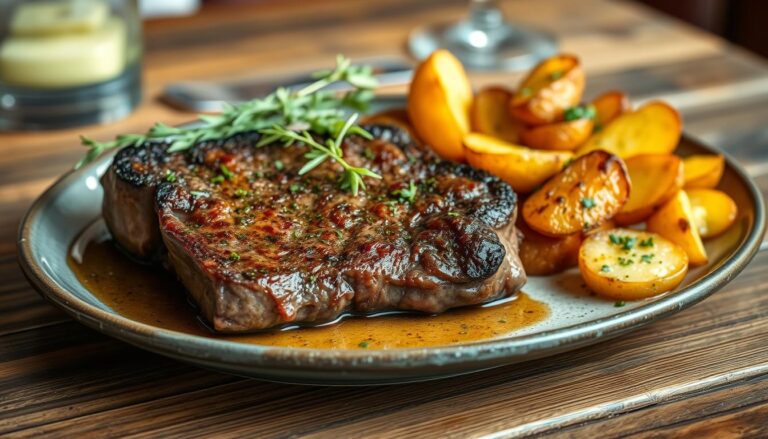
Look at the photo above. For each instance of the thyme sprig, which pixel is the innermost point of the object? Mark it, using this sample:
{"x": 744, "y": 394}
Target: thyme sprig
{"x": 285, "y": 116}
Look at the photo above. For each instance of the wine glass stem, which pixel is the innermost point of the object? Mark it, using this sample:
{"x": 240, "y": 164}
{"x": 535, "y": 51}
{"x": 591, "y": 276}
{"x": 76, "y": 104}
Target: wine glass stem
{"x": 485, "y": 21}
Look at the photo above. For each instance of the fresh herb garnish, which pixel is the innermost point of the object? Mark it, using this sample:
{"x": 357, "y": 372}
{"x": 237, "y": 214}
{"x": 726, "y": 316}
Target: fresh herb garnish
{"x": 170, "y": 176}
{"x": 619, "y": 303}
{"x": 286, "y": 116}
{"x": 605, "y": 268}
{"x": 626, "y": 242}
{"x": 363, "y": 344}
{"x": 240, "y": 193}
{"x": 229, "y": 175}
{"x": 234, "y": 256}
{"x": 579, "y": 112}
{"x": 587, "y": 203}
{"x": 625, "y": 261}
{"x": 646, "y": 258}
{"x": 279, "y": 165}
{"x": 453, "y": 214}
{"x": 406, "y": 194}
{"x": 647, "y": 242}
{"x": 217, "y": 179}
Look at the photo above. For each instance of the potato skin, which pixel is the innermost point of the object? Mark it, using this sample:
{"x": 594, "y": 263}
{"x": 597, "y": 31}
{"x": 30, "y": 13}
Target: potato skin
{"x": 713, "y": 211}
{"x": 523, "y": 168}
{"x": 654, "y": 128}
{"x": 655, "y": 178}
{"x": 555, "y": 84}
{"x": 560, "y": 136}
{"x": 542, "y": 255}
{"x": 439, "y": 100}
{"x": 617, "y": 273}
{"x": 609, "y": 106}
{"x": 674, "y": 221}
{"x": 590, "y": 191}
{"x": 703, "y": 171}
{"x": 490, "y": 115}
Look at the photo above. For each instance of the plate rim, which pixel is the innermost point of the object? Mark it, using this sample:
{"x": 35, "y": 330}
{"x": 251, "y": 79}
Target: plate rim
{"x": 500, "y": 351}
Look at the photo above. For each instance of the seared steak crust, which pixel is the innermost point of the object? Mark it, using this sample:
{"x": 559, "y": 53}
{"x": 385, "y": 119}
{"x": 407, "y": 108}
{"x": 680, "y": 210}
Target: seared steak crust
{"x": 257, "y": 245}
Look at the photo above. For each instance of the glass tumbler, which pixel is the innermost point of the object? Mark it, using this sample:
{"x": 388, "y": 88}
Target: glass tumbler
{"x": 66, "y": 63}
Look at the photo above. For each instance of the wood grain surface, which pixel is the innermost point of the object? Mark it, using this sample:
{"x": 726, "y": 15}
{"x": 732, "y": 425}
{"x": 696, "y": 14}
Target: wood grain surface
{"x": 703, "y": 372}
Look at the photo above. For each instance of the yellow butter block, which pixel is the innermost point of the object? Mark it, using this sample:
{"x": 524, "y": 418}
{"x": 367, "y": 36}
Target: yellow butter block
{"x": 65, "y": 60}
{"x": 58, "y": 17}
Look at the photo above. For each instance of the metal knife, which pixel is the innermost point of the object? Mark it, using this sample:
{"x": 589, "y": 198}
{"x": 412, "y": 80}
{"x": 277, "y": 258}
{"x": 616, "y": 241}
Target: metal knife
{"x": 209, "y": 97}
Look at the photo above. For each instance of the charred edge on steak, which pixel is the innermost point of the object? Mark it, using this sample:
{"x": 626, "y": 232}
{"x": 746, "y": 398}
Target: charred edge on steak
{"x": 298, "y": 249}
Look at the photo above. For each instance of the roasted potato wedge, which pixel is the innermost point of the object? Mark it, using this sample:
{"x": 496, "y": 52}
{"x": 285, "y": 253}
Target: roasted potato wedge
{"x": 674, "y": 220}
{"x": 703, "y": 171}
{"x": 590, "y": 191}
{"x": 523, "y": 168}
{"x": 439, "y": 101}
{"x": 542, "y": 255}
{"x": 654, "y": 128}
{"x": 608, "y": 106}
{"x": 713, "y": 211}
{"x": 655, "y": 178}
{"x": 552, "y": 86}
{"x": 490, "y": 115}
{"x": 625, "y": 264}
{"x": 396, "y": 116}
{"x": 561, "y": 136}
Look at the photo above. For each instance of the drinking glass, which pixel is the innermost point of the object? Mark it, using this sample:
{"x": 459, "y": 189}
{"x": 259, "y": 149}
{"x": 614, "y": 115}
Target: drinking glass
{"x": 485, "y": 40}
{"x": 65, "y": 63}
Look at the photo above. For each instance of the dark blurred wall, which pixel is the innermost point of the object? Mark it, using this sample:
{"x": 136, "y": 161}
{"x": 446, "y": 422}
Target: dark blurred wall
{"x": 744, "y": 22}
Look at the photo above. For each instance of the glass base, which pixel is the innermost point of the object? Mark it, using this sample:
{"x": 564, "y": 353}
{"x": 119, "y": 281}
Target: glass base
{"x": 505, "y": 47}
{"x": 39, "y": 109}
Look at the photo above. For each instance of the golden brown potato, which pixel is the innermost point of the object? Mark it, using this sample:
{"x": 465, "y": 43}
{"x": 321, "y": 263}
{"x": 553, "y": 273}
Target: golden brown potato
{"x": 608, "y": 106}
{"x": 625, "y": 264}
{"x": 655, "y": 178}
{"x": 563, "y": 136}
{"x": 674, "y": 220}
{"x": 523, "y": 168}
{"x": 713, "y": 211}
{"x": 542, "y": 255}
{"x": 396, "y": 116}
{"x": 703, "y": 171}
{"x": 654, "y": 128}
{"x": 439, "y": 100}
{"x": 554, "y": 85}
{"x": 490, "y": 115}
{"x": 590, "y": 191}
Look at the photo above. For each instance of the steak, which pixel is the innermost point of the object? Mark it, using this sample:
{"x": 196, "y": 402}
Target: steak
{"x": 258, "y": 246}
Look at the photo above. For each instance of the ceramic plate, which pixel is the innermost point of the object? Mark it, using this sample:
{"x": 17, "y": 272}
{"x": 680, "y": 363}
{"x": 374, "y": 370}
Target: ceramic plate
{"x": 575, "y": 319}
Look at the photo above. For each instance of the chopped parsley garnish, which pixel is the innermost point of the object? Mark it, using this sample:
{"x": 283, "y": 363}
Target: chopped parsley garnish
{"x": 647, "y": 242}
{"x": 626, "y": 242}
{"x": 234, "y": 256}
{"x": 229, "y": 175}
{"x": 369, "y": 154}
{"x": 279, "y": 165}
{"x": 295, "y": 187}
{"x": 240, "y": 193}
{"x": 406, "y": 194}
{"x": 625, "y": 261}
{"x": 198, "y": 194}
{"x": 170, "y": 176}
{"x": 605, "y": 268}
{"x": 217, "y": 179}
{"x": 579, "y": 112}
{"x": 453, "y": 214}
{"x": 363, "y": 344}
{"x": 587, "y": 202}
{"x": 619, "y": 303}
{"x": 646, "y": 258}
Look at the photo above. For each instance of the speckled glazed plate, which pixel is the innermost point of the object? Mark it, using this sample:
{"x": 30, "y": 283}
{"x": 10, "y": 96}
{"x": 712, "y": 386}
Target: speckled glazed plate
{"x": 576, "y": 319}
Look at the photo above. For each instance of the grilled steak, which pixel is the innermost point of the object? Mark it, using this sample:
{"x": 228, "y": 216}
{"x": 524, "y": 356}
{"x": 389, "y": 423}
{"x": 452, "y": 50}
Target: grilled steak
{"x": 258, "y": 246}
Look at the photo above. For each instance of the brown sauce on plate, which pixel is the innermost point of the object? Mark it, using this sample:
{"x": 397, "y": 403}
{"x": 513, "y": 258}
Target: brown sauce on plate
{"x": 152, "y": 296}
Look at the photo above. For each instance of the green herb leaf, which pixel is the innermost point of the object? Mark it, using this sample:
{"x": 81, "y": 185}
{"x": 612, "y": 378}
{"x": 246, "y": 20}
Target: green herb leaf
{"x": 580, "y": 112}
{"x": 587, "y": 203}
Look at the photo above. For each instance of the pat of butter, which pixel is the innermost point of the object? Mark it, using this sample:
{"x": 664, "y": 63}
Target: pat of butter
{"x": 58, "y": 17}
{"x": 65, "y": 60}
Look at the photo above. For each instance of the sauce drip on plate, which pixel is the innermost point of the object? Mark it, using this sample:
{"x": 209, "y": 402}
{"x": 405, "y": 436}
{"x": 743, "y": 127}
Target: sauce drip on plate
{"x": 153, "y": 296}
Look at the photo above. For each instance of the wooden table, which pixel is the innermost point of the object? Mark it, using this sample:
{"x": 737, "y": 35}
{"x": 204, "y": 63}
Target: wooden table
{"x": 703, "y": 371}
